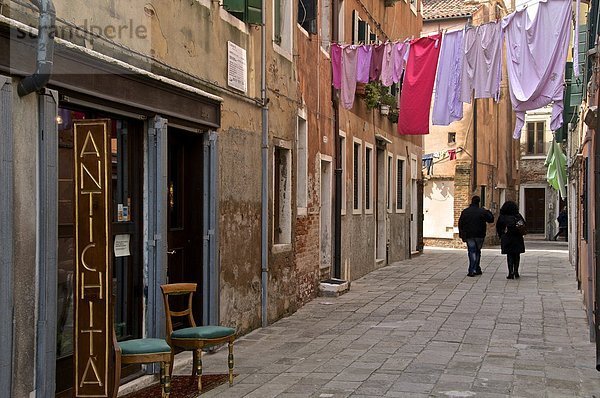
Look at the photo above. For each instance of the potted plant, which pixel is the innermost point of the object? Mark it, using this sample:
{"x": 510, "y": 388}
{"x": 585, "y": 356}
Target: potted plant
{"x": 372, "y": 94}
{"x": 386, "y": 102}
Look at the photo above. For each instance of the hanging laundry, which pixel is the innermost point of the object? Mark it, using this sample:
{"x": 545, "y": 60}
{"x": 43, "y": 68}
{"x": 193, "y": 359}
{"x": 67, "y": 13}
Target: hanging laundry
{"x": 417, "y": 87}
{"x": 387, "y": 65}
{"x": 556, "y": 161}
{"x": 336, "y": 65}
{"x": 400, "y": 57}
{"x": 447, "y": 106}
{"x": 349, "y": 60}
{"x": 536, "y": 54}
{"x": 452, "y": 154}
{"x": 376, "y": 59}
{"x": 482, "y": 65}
{"x": 363, "y": 65}
{"x": 428, "y": 163}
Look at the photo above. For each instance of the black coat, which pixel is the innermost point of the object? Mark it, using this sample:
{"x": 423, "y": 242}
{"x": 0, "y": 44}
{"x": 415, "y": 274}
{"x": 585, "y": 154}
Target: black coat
{"x": 511, "y": 240}
{"x": 471, "y": 223}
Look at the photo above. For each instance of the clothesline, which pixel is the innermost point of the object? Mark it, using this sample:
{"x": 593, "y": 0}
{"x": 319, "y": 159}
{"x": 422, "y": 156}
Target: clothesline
{"x": 466, "y": 64}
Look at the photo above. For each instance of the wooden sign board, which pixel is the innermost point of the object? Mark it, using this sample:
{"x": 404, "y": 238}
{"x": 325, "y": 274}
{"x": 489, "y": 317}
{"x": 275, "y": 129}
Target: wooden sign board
{"x": 93, "y": 322}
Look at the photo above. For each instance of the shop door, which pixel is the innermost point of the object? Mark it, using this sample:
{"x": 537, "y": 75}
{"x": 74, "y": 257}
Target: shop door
{"x": 535, "y": 210}
{"x": 126, "y": 209}
{"x": 184, "y": 214}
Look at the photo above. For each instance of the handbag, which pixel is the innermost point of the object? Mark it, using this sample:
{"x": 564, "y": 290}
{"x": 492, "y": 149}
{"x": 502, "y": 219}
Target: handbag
{"x": 521, "y": 227}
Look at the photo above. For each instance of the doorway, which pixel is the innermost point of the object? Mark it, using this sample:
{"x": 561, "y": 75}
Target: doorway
{"x": 414, "y": 206}
{"x": 381, "y": 208}
{"x": 325, "y": 214}
{"x": 535, "y": 210}
{"x": 185, "y": 214}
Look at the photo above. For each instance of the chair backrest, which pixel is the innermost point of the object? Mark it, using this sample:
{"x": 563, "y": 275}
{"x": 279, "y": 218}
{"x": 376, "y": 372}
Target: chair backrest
{"x": 178, "y": 289}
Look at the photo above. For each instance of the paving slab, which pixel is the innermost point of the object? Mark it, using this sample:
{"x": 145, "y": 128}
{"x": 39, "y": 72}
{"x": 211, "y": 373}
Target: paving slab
{"x": 422, "y": 328}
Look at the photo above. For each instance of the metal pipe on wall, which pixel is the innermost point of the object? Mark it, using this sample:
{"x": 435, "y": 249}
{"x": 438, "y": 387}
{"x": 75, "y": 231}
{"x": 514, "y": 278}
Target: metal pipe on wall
{"x": 474, "y": 145}
{"x": 337, "y": 213}
{"x": 45, "y": 50}
{"x": 265, "y": 170}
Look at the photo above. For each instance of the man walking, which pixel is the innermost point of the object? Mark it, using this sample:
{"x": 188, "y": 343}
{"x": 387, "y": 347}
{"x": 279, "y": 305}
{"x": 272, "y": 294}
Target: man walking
{"x": 471, "y": 229}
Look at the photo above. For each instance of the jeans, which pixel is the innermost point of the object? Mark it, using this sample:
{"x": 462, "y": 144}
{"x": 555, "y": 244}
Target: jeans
{"x": 474, "y": 246}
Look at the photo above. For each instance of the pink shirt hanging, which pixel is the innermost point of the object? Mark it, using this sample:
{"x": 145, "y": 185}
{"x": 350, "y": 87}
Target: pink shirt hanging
{"x": 400, "y": 57}
{"x": 376, "y": 58}
{"x": 417, "y": 88}
{"x": 387, "y": 65}
{"x": 349, "y": 60}
{"x": 336, "y": 65}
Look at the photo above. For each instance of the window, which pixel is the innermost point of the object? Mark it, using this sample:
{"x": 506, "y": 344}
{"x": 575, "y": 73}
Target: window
{"x": 357, "y": 180}
{"x": 368, "y": 178}
{"x": 343, "y": 161}
{"x": 302, "y": 165}
{"x": 307, "y": 15}
{"x": 360, "y": 29}
{"x": 282, "y": 24}
{"x": 535, "y": 138}
{"x": 585, "y": 198}
{"x": 249, "y": 11}
{"x": 341, "y": 14}
{"x": 452, "y": 138}
{"x": 326, "y": 8}
{"x": 390, "y": 182}
{"x": 482, "y": 196}
{"x": 282, "y": 220}
{"x": 400, "y": 182}
{"x": 413, "y": 6}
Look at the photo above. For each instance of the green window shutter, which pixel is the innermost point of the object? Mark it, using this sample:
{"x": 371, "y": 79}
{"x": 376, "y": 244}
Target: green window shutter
{"x": 254, "y": 12}
{"x": 577, "y": 85}
{"x": 235, "y": 7}
{"x": 277, "y": 21}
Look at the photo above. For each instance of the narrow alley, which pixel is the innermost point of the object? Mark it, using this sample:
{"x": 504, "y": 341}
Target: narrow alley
{"x": 422, "y": 328}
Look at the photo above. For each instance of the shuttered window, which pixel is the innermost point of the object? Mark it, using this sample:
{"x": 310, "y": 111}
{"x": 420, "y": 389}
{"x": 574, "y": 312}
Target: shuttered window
{"x": 307, "y": 15}
{"x": 249, "y": 11}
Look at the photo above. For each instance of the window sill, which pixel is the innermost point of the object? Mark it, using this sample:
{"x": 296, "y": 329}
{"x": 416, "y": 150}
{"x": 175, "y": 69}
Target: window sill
{"x": 400, "y": 211}
{"x": 369, "y": 211}
{"x": 284, "y": 52}
{"x": 301, "y": 212}
{"x": 302, "y": 30}
{"x": 281, "y": 248}
{"x": 357, "y": 211}
{"x": 534, "y": 157}
{"x": 227, "y": 17}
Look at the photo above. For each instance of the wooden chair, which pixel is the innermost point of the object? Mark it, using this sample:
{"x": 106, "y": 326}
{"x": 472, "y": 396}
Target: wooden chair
{"x": 144, "y": 351}
{"x": 195, "y": 338}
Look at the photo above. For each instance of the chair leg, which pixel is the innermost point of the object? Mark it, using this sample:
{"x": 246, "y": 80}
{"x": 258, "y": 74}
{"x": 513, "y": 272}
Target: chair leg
{"x": 199, "y": 369}
{"x": 167, "y": 383}
{"x": 171, "y": 365}
{"x": 117, "y": 375}
{"x": 194, "y": 362}
{"x": 230, "y": 362}
{"x": 162, "y": 379}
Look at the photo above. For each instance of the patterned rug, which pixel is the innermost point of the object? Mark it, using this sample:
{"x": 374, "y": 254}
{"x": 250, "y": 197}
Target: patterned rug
{"x": 183, "y": 386}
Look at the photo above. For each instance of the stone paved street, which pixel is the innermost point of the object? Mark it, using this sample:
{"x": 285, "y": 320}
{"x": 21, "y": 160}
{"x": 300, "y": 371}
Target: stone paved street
{"x": 423, "y": 328}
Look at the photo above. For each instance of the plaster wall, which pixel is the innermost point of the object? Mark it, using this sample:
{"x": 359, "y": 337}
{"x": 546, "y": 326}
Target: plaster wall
{"x": 25, "y": 240}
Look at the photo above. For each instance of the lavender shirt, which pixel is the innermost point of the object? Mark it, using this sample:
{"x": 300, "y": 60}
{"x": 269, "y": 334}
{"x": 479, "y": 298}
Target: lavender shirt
{"x": 482, "y": 67}
{"x": 447, "y": 106}
{"x": 387, "y": 65}
{"x": 400, "y": 58}
{"x": 363, "y": 65}
{"x": 536, "y": 57}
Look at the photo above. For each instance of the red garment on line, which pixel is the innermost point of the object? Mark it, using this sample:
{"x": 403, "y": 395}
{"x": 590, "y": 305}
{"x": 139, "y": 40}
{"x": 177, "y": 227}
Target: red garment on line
{"x": 415, "y": 99}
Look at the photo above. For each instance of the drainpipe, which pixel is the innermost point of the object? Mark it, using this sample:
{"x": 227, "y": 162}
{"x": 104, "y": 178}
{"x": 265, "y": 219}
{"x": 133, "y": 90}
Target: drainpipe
{"x": 474, "y": 144}
{"x": 337, "y": 213}
{"x": 45, "y": 50}
{"x": 596, "y": 227}
{"x": 265, "y": 168}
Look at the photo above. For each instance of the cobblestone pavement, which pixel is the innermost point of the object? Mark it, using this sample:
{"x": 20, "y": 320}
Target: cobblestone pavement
{"x": 422, "y": 328}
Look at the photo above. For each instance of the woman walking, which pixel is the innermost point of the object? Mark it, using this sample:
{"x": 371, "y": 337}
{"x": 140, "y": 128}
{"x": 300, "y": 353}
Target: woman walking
{"x": 510, "y": 228}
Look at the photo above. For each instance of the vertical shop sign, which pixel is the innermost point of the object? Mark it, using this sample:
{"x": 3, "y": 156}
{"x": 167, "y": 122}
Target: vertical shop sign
{"x": 93, "y": 257}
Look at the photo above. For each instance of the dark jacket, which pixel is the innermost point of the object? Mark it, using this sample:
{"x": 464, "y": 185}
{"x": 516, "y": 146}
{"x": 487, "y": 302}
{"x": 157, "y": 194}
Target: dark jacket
{"x": 471, "y": 223}
{"x": 562, "y": 219}
{"x": 511, "y": 240}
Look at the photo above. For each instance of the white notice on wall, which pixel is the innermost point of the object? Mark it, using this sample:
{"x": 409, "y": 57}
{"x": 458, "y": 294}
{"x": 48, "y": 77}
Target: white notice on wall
{"x": 237, "y": 70}
{"x": 122, "y": 246}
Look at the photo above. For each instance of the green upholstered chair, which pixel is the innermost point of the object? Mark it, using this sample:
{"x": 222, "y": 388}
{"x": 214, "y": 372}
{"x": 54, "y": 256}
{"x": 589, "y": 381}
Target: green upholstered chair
{"x": 144, "y": 351}
{"x": 195, "y": 338}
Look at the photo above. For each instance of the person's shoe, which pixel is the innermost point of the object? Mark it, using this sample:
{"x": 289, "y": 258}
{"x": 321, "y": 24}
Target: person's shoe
{"x": 517, "y": 276}
{"x": 510, "y": 276}
{"x": 478, "y": 272}
{"x": 471, "y": 274}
